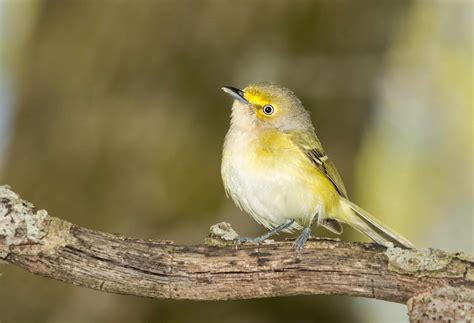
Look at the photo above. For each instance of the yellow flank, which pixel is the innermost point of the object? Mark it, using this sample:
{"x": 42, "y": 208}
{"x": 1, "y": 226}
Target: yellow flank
{"x": 274, "y": 149}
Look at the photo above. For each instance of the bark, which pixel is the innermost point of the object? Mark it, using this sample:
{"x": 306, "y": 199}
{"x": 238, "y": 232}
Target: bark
{"x": 442, "y": 305}
{"x": 217, "y": 270}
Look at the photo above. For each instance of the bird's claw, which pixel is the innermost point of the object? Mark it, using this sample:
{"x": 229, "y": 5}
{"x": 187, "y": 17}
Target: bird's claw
{"x": 298, "y": 245}
{"x": 242, "y": 240}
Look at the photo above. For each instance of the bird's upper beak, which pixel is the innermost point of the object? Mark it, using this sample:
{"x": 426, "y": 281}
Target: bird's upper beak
{"x": 235, "y": 93}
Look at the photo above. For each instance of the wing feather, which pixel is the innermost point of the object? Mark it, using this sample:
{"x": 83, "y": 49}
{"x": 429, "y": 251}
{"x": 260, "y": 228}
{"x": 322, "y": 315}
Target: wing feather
{"x": 312, "y": 148}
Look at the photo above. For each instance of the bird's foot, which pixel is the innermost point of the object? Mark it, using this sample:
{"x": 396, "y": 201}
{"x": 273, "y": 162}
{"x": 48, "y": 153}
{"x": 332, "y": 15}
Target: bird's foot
{"x": 300, "y": 241}
{"x": 241, "y": 240}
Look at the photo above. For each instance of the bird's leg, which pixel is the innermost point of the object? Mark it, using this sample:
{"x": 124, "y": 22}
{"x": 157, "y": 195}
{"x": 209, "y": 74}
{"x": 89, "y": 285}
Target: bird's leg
{"x": 267, "y": 235}
{"x": 299, "y": 242}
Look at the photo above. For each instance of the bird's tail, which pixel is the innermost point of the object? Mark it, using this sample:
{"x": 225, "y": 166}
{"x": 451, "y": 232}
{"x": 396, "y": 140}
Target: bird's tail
{"x": 365, "y": 223}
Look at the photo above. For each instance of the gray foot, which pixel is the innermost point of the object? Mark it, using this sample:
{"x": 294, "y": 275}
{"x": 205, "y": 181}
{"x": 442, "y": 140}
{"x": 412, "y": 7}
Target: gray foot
{"x": 256, "y": 240}
{"x": 267, "y": 235}
{"x": 299, "y": 243}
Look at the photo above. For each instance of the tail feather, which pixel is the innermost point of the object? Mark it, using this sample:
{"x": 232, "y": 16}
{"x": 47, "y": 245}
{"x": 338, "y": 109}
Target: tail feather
{"x": 376, "y": 230}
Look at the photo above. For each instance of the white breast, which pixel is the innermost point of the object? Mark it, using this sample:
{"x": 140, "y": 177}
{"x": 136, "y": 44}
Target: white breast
{"x": 272, "y": 193}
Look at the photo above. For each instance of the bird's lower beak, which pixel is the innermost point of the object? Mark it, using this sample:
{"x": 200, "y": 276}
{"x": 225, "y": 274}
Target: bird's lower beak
{"x": 235, "y": 93}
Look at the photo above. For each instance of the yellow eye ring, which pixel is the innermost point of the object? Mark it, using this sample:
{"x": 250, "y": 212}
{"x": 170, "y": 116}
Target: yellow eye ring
{"x": 268, "y": 109}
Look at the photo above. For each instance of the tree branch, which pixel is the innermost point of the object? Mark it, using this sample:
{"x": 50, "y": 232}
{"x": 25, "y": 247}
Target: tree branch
{"x": 445, "y": 304}
{"x": 54, "y": 248}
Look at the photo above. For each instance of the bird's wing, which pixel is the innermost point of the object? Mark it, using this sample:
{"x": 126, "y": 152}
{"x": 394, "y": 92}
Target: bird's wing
{"x": 312, "y": 148}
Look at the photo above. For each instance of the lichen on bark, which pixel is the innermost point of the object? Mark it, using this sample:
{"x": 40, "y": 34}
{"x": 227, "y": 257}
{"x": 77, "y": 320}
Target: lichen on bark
{"x": 417, "y": 260}
{"x": 23, "y": 229}
{"x": 221, "y": 234}
{"x": 447, "y": 304}
{"x": 20, "y": 223}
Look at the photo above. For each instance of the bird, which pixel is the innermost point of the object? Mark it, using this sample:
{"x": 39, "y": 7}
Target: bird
{"x": 276, "y": 170}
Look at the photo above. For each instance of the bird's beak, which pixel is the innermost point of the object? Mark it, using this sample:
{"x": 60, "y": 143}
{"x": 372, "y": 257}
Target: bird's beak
{"x": 235, "y": 93}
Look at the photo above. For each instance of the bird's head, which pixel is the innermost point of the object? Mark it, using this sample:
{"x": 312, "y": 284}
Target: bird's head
{"x": 267, "y": 105}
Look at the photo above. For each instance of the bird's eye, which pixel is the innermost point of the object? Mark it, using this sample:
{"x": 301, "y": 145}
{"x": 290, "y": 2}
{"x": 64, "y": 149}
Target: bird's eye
{"x": 268, "y": 109}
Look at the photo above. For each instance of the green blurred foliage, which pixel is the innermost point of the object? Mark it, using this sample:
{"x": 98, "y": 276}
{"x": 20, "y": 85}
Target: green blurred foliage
{"x": 419, "y": 151}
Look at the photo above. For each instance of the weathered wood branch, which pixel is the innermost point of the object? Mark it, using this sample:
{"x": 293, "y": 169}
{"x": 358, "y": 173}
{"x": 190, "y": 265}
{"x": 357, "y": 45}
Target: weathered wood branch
{"x": 445, "y": 304}
{"x": 54, "y": 248}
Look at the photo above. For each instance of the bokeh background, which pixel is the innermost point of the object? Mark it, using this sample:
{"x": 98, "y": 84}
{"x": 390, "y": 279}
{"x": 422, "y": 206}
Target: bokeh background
{"x": 111, "y": 117}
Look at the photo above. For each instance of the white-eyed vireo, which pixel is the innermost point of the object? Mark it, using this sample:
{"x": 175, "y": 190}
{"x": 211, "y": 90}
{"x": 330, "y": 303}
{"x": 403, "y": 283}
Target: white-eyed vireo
{"x": 274, "y": 167}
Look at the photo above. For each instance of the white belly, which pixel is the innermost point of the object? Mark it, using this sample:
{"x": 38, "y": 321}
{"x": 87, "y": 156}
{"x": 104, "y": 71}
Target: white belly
{"x": 271, "y": 193}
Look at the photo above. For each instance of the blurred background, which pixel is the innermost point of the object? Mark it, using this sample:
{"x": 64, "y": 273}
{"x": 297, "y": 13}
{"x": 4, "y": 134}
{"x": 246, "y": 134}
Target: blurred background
{"x": 111, "y": 117}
